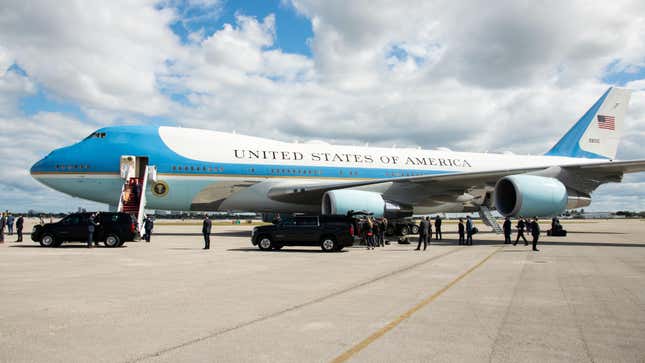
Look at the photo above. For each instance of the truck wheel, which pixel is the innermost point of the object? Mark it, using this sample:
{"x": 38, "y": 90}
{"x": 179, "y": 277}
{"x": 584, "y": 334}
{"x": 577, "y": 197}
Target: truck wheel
{"x": 112, "y": 241}
{"x": 265, "y": 243}
{"x": 328, "y": 244}
{"x": 414, "y": 229}
{"x": 47, "y": 240}
{"x": 404, "y": 231}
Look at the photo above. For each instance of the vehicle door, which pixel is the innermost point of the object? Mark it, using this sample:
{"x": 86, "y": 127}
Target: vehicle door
{"x": 72, "y": 228}
{"x": 306, "y": 230}
{"x": 284, "y": 230}
{"x": 106, "y": 223}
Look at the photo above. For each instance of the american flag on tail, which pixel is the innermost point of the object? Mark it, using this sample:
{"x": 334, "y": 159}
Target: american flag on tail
{"x": 606, "y": 122}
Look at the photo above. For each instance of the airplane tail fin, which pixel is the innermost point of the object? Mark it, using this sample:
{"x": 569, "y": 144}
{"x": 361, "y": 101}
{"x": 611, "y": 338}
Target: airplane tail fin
{"x": 597, "y": 133}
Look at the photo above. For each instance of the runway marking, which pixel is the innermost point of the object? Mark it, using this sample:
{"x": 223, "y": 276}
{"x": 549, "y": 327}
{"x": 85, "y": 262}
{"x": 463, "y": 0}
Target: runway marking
{"x": 291, "y": 308}
{"x": 394, "y": 323}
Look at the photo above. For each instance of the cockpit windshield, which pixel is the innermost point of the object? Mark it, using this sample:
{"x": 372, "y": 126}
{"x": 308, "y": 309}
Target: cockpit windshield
{"x": 98, "y": 135}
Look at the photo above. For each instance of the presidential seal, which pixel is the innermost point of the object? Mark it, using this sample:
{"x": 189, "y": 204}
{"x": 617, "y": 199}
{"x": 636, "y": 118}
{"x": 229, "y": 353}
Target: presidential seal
{"x": 160, "y": 188}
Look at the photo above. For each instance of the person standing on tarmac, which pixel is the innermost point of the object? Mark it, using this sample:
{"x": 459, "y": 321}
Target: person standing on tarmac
{"x": 19, "y": 224}
{"x": 462, "y": 231}
{"x": 207, "y": 226}
{"x": 91, "y": 227}
{"x": 520, "y": 231}
{"x": 3, "y": 221}
{"x": 437, "y": 228}
{"x": 423, "y": 234}
{"x": 507, "y": 231}
{"x": 535, "y": 232}
{"x": 384, "y": 230}
{"x": 10, "y": 219}
{"x": 148, "y": 225}
{"x": 469, "y": 231}
{"x": 376, "y": 233}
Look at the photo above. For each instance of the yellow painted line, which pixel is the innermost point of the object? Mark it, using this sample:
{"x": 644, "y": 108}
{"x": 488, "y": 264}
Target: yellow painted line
{"x": 391, "y": 325}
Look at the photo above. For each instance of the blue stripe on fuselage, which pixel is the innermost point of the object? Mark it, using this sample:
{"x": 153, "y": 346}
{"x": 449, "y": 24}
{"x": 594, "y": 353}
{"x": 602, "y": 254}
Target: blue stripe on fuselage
{"x": 102, "y": 155}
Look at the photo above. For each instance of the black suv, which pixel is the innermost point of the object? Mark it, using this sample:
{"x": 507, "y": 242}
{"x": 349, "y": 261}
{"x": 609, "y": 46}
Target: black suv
{"x": 331, "y": 233}
{"x": 113, "y": 229}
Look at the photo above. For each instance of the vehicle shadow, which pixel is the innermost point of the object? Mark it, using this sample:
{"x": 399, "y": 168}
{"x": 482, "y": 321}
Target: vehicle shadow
{"x": 64, "y": 246}
{"x": 283, "y": 250}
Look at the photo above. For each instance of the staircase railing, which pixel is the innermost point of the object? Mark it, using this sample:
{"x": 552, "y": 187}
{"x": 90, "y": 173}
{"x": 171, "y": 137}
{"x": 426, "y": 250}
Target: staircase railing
{"x": 142, "y": 201}
{"x": 128, "y": 174}
{"x": 489, "y": 220}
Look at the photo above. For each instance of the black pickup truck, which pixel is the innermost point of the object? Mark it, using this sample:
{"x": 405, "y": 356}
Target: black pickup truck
{"x": 331, "y": 233}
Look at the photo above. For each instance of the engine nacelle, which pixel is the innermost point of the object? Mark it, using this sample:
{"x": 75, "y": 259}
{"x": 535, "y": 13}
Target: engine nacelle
{"x": 342, "y": 201}
{"x": 530, "y": 195}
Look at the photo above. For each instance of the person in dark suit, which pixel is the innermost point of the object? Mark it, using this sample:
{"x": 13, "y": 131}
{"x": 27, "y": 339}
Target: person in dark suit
{"x": 19, "y": 225}
{"x": 507, "y": 231}
{"x": 206, "y": 231}
{"x": 469, "y": 231}
{"x": 462, "y": 232}
{"x": 3, "y": 222}
{"x": 423, "y": 233}
{"x": 91, "y": 227}
{"x": 382, "y": 229}
{"x": 520, "y": 231}
{"x": 437, "y": 228}
{"x": 535, "y": 232}
{"x": 148, "y": 225}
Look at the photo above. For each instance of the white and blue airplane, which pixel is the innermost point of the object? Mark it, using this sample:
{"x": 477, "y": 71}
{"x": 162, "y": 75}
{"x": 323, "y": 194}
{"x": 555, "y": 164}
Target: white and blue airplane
{"x": 203, "y": 170}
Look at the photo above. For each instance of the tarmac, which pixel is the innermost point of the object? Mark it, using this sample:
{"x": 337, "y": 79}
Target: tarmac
{"x": 580, "y": 299}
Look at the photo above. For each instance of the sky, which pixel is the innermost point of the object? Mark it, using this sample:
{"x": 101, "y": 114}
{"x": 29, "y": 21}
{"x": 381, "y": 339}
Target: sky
{"x": 471, "y": 76}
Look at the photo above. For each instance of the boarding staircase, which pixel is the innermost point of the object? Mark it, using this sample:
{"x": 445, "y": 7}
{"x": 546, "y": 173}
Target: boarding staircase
{"x": 489, "y": 220}
{"x": 133, "y": 197}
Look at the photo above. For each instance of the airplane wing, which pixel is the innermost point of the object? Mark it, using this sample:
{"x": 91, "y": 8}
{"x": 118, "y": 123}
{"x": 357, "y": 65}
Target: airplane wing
{"x": 421, "y": 189}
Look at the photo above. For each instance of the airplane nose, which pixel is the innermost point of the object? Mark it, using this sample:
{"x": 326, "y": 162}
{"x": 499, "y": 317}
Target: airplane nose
{"x": 37, "y": 167}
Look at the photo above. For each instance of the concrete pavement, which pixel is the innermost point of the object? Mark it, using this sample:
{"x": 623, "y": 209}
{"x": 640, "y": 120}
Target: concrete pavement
{"x": 581, "y": 298}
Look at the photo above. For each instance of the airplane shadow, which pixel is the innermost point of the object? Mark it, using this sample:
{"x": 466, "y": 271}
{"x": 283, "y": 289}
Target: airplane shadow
{"x": 223, "y": 234}
{"x": 490, "y": 242}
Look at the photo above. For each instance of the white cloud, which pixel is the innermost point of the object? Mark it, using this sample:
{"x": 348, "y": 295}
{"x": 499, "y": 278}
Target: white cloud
{"x": 105, "y": 54}
{"x": 498, "y": 76}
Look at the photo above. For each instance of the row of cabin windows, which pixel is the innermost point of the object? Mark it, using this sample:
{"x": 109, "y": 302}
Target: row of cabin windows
{"x": 294, "y": 171}
{"x": 401, "y": 173}
{"x": 210, "y": 169}
{"x": 71, "y": 167}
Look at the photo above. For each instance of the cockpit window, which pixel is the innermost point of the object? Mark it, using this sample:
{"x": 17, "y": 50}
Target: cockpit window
{"x": 98, "y": 135}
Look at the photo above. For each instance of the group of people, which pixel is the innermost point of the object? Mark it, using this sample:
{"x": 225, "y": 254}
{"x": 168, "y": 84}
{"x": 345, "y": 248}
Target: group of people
{"x": 467, "y": 230}
{"x": 531, "y": 226}
{"x": 7, "y": 221}
{"x": 372, "y": 231}
{"x": 425, "y": 232}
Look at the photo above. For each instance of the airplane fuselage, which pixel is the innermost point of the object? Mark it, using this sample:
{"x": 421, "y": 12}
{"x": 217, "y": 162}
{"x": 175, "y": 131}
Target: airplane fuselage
{"x": 209, "y": 170}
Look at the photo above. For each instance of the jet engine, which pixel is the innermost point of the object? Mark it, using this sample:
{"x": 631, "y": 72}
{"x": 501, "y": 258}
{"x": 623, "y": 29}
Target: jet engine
{"x": 342, "y": 201}
{"x": 530, "y": 195}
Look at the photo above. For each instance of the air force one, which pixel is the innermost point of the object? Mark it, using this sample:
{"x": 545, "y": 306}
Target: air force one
{"x": 202, "y": 170}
